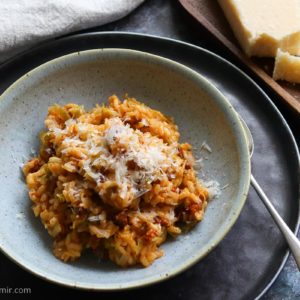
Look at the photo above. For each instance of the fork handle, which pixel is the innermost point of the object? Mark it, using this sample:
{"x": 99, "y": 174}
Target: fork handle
{"x": 290, "y": 237}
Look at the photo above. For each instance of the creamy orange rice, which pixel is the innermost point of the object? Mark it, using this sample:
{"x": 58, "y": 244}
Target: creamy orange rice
{"x": 115, "y": 180}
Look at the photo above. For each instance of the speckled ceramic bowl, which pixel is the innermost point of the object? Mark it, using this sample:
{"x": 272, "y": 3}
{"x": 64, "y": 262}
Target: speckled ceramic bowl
{"x": 202, "y": 114}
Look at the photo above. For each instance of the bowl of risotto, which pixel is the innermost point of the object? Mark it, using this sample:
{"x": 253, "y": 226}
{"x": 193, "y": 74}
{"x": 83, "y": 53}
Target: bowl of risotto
{"x": 122, "y": 169}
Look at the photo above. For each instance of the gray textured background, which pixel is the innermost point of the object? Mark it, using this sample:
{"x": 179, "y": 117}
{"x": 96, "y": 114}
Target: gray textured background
{"x": 168, "y": 19}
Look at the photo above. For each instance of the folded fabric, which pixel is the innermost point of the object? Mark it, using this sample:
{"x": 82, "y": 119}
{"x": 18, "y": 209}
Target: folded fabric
{"x": 25, "y": 23}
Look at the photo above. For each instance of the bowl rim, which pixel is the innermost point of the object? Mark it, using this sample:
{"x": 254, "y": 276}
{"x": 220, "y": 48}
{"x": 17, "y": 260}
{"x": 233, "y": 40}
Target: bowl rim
{"x": 230, "y": 114}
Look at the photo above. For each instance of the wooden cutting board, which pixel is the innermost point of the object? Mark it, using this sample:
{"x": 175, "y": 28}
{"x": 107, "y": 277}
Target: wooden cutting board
{"x": 210, "y": 15}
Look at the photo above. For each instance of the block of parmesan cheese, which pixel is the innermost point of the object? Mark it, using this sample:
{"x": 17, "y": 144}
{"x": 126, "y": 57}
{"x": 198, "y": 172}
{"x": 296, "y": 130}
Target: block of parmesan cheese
{"x": 287, "y": 67}
{"x": 263, "y": 26}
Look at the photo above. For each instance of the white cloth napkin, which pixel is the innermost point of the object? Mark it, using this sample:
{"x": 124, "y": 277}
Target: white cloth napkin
{"x": 24, "y": 23}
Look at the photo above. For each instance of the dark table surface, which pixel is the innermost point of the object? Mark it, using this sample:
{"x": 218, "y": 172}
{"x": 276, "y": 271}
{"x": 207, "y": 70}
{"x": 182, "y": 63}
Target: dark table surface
{"x": 167, "y": 18}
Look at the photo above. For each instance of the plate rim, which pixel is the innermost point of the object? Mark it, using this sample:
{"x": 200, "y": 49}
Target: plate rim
{"x": 47, "y": 44}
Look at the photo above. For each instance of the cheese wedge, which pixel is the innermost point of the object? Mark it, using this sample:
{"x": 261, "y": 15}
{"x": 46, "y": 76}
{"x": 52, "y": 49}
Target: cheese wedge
{"x": 287, "y": 67}
{"x": 263, "y": 26}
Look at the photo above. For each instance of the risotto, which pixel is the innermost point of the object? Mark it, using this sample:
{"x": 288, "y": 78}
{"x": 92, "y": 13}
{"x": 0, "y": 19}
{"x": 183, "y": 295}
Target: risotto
{"x": 115, "y": 180}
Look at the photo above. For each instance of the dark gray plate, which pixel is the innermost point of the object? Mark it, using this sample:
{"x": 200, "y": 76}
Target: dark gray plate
{"x": 248, "y": 260}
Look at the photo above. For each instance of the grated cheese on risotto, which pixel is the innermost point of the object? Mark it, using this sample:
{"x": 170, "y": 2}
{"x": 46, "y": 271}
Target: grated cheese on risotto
{"x": 115, "y": 180}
